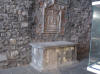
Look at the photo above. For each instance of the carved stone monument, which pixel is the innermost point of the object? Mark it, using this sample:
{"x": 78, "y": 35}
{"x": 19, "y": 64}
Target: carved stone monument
{"x": 49, "y": 16}
{"x": 48, "y": 55}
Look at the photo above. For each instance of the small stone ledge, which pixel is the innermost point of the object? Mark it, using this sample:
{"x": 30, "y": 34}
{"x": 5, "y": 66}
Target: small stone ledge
{"x": 53, "y": 44}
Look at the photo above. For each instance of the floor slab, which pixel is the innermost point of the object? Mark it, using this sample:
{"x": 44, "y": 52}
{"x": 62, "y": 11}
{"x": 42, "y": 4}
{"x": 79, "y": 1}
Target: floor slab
{"x": 79, "y": 68}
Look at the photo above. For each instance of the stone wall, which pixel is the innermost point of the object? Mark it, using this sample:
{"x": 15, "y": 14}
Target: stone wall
{"x": 79, "y": 25}
{"x": 17, "y": 29}
{"x": 14, "y": 38}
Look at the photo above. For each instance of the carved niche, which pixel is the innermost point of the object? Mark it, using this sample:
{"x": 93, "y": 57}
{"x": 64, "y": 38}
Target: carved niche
{"x": 49, "y": 16}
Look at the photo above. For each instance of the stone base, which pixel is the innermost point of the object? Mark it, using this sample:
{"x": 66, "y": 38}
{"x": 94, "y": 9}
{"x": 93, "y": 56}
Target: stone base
{"x": 48, "y": 55}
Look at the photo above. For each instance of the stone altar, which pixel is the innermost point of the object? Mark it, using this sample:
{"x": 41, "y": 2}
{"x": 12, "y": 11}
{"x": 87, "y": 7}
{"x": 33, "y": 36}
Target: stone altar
{"x": 48, "y": 55}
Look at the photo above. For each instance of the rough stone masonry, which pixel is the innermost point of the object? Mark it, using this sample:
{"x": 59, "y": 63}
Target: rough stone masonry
{"x": 14, "y": 38}
{"x": 17, "y": 30}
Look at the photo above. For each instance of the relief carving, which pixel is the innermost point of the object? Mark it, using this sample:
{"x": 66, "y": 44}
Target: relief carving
{"x": 48, "y": 16}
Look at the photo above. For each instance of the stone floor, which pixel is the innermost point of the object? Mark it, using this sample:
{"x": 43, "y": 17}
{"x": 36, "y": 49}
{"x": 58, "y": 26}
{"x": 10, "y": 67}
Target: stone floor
{"x": 79, "y": 68}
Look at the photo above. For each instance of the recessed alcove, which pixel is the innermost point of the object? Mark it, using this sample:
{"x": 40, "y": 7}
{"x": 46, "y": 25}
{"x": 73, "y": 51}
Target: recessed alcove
{"x": 50, "y": 17}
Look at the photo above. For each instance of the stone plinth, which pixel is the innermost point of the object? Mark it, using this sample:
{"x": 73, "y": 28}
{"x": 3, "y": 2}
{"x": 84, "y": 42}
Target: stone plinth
{"x": 48, "y": 55}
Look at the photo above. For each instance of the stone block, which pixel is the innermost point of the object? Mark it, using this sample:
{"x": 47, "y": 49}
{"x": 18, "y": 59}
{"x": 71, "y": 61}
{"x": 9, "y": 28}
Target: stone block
{"x": 49, "y": 55}
{"x": 3, "y": 57}
{"x": 12, "y": 54}
{"x": 12, "y": 41}
{"x": 24, "y": 24}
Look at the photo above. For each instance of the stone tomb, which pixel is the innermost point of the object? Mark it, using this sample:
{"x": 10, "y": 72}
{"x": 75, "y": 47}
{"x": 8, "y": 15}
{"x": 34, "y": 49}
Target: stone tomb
{"x": 48, "y": 55}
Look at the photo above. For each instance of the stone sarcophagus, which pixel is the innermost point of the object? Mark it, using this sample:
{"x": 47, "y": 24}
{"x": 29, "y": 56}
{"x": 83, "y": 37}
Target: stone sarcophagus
{"x": 48, "y": 55}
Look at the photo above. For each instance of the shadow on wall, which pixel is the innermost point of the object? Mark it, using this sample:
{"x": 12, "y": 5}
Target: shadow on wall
{"x": 31, "y": 22}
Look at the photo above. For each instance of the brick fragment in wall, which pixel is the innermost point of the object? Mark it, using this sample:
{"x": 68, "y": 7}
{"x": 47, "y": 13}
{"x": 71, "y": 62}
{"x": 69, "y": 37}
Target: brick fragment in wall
{"x": 3, "y": 57}
{"x": 19, "y": 12}
{"x": 24, "y": 24}
{"x": 8, "y": 34}
{"x": 12, "y": 41}
{"x": 6, "y": 42}
{"x": 3, "y": 64}
{"x": 24, "y": 13}
{"x": 12, "y": 54}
